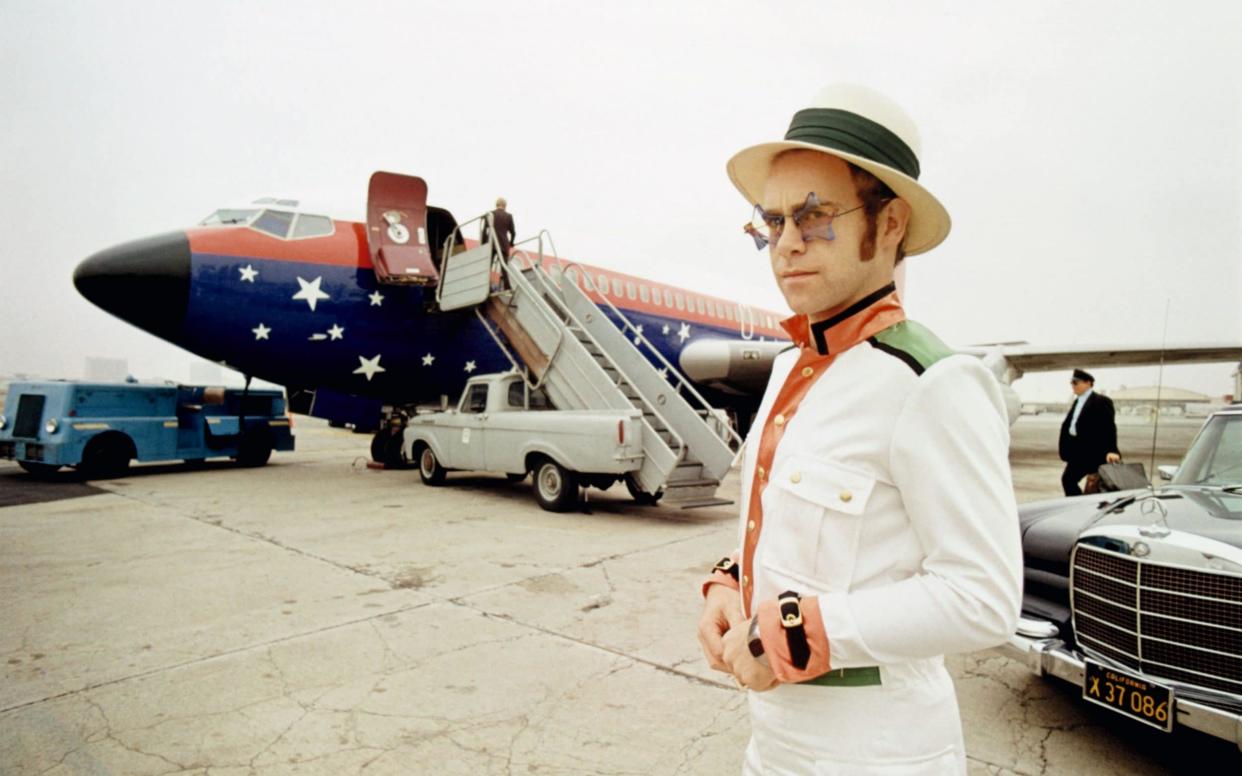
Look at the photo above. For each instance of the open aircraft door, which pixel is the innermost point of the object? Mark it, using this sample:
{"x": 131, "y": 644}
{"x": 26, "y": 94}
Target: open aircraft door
{"x": 397, "y": 229}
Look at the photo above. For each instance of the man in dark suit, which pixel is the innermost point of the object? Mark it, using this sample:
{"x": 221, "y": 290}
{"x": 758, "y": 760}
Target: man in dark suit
{"x": 505, "y": 232}
{"x": 1088, "y": 434}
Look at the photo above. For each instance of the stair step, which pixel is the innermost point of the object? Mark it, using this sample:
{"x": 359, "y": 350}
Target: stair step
{"x": 696, "y": 503}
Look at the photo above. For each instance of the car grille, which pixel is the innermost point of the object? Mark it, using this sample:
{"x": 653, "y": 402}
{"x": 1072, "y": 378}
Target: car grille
{"x": 29, "y": 415}
{"x": 1168, "y": 622}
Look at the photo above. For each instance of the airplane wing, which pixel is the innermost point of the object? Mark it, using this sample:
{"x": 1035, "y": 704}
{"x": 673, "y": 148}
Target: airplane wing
{"x": 1028, "y": 358}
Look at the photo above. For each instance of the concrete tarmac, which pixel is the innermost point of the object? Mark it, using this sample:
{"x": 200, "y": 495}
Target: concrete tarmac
{"x": 318, "y": 617}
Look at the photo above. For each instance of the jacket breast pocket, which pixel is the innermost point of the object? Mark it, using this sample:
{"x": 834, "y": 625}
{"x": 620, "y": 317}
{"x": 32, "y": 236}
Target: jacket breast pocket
{"x": 812, "y": 520}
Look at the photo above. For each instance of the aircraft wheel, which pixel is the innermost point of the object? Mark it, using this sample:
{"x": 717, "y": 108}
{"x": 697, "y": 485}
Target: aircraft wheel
{"x": 255, "y": 448}
{"x": 640, "y": 496}
{"x": 39, "y": 470}
{"x": 429, "y": 468}
{"x": 556, "y": 488}
{"x": 386, "y": 448}
{"x": 106, "y": 456}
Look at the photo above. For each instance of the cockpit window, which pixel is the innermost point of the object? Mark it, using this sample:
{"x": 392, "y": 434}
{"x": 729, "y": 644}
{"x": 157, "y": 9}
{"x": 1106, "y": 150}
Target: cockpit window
{"x": 274, "y": 222}
{"x": 229, "y": 217}
{"x": 311, "y": 226}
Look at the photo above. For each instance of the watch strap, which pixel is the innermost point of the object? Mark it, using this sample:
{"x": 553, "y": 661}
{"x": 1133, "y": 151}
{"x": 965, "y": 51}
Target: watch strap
{"x": 789, "y": 606}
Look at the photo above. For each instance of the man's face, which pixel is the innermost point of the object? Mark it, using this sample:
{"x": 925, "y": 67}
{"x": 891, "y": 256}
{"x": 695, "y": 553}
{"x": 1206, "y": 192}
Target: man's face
{"x": 822, "y": 277}
{"x": 1080, "y": 386}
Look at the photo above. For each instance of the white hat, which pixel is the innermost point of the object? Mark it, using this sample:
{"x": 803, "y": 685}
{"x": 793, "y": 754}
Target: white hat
{"x": 864, "y": 128}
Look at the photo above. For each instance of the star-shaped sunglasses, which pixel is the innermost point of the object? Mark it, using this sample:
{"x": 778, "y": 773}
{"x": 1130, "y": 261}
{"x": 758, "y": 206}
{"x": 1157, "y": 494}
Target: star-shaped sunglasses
{"x": 812, "y": 220}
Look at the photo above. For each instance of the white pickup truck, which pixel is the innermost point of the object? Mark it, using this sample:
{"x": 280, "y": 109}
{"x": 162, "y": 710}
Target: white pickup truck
{"x": 501, "y": 425}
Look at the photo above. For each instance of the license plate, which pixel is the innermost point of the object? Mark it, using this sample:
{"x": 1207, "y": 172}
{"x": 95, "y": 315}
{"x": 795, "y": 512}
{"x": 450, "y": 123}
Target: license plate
{"x": 1138, "y": 698}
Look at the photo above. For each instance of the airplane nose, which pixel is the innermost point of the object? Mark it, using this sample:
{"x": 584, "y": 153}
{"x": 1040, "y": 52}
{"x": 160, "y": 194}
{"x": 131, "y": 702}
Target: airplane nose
{"x": 145, "y": 282}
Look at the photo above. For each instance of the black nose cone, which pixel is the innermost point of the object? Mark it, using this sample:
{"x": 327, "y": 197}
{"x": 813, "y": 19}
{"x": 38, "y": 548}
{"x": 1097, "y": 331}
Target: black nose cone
{"x": 145, "y": 282}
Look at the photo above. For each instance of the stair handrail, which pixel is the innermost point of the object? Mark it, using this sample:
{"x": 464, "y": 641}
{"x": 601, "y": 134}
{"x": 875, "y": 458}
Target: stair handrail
{"x": 680, "y": 448}
{"x": 681, "y": 380}
{"x": 518, "y": 281}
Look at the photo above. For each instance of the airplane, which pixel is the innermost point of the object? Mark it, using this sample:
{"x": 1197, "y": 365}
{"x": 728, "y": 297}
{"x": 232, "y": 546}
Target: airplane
{"x": 344, "y": 313}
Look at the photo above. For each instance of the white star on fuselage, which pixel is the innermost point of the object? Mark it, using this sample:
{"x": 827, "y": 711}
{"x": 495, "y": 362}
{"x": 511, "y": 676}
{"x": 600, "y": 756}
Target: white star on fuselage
{"x": 369, "y": 366}
{"x": 248, "y": 273}
{"x": 638, "y": 338}
{"x": 310, "y": 292}
{"x": 470, "y": 367}
{"x": 261, "y": 332}
{"x": 336, "y": 332}
{"x": 377, "y": 299}
{"x": 684, "y": 332}
{"x": 666, "y": 328}
{"x": 427, "y": 359}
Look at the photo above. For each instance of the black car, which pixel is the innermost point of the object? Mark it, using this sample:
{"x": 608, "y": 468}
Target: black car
{"x": 1136, "y": 596}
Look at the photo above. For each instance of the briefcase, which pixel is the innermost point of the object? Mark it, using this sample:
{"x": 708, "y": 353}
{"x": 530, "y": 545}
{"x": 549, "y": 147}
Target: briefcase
{"x": 1123, "y": 476}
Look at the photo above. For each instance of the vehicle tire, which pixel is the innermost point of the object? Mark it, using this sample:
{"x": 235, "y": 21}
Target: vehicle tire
{"x": 429, "y": 468}
{"x": 106, "y": 456}
{"x": 641, "y": 497}
{"x": 511, "y": 477}
{"x": 39, "y": 470}
{"x": 255, "y": 448}
{"x": 556, "y": 488}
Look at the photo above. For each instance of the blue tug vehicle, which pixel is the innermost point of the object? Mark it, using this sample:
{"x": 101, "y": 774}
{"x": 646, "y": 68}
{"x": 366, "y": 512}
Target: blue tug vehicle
{"x": 99, "y": 428}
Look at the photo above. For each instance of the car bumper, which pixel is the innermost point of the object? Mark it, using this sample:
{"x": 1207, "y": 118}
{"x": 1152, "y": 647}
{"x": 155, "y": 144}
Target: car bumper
{"x": 1051, "y": 656}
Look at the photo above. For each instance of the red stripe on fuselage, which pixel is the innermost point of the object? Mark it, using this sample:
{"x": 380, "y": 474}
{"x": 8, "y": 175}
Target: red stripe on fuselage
{"x": 347, "y": 247}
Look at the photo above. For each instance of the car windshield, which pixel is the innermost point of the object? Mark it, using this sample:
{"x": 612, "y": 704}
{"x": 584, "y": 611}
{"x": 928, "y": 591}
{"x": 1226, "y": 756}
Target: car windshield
{"x": 1215, "y": 457}
{"x": 229, "y": 217}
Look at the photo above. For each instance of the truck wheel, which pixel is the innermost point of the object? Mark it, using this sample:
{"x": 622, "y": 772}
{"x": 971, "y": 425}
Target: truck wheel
{"x": 255, "y": 448}
{"x": 556, "y": 488}
{"x": 641, "y": 497}
{"x": 40, "y": 470}
{"x": 106, "y": 456}
{"x": 429, "y": 469}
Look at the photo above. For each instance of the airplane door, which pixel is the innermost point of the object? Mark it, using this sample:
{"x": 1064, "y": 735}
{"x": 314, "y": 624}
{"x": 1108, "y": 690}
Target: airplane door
{"x": 746, "y": 321}
{"x": 397, "y": 229}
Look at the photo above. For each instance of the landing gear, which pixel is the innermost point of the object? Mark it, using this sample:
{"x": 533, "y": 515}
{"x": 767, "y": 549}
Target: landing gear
{"x": 388, "y": 444}
{"x": 556, "y": 488}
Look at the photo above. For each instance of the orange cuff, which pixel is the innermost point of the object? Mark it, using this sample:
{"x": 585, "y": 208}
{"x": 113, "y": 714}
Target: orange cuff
{"x": 775, "y": 646}
{"x": 719, "y": 578}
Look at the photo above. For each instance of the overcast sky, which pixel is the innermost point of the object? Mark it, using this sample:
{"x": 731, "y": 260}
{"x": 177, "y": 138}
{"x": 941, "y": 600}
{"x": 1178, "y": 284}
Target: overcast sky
{"x": 1089, "y": 153}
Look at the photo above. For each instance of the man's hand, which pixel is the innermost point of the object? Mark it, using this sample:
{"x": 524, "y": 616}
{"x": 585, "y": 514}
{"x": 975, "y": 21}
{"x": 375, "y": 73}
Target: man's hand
{"x": 749, "y": 672}
{"x": 719, "y": 607}
{"x": 1113, "y": 458}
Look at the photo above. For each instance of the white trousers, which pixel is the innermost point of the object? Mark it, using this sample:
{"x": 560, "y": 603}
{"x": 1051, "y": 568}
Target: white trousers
{"x": 909, "y": 725}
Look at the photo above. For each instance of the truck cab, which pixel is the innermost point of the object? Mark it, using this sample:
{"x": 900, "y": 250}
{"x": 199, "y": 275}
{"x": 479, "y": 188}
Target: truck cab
{"x": 100, "y": 427}
{"x": 501, "y": 424}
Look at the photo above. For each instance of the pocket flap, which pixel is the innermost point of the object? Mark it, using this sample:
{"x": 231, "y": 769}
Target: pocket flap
{"x": 828, "y": 484}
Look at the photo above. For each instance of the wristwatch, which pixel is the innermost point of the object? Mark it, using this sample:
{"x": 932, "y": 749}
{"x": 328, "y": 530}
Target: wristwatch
{"x": 790, "y": 604}
{"x": 754, "y": 642}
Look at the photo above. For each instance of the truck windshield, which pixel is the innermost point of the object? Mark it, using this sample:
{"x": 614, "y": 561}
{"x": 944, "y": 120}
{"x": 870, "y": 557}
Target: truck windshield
{"x": 1215, "y": 458}
{"x": 476, "y": 399}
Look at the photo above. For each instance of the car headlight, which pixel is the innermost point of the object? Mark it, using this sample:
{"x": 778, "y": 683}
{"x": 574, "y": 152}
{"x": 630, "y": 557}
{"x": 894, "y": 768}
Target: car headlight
{"x": 4, "y": 422}
{"x": 51, "y": 426}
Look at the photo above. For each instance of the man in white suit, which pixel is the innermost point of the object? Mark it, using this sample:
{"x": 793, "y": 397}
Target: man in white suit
{"x": 878, "y": 525}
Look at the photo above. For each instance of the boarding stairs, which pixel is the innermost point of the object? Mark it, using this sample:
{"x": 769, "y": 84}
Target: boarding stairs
{"x": 573, "y": 350}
